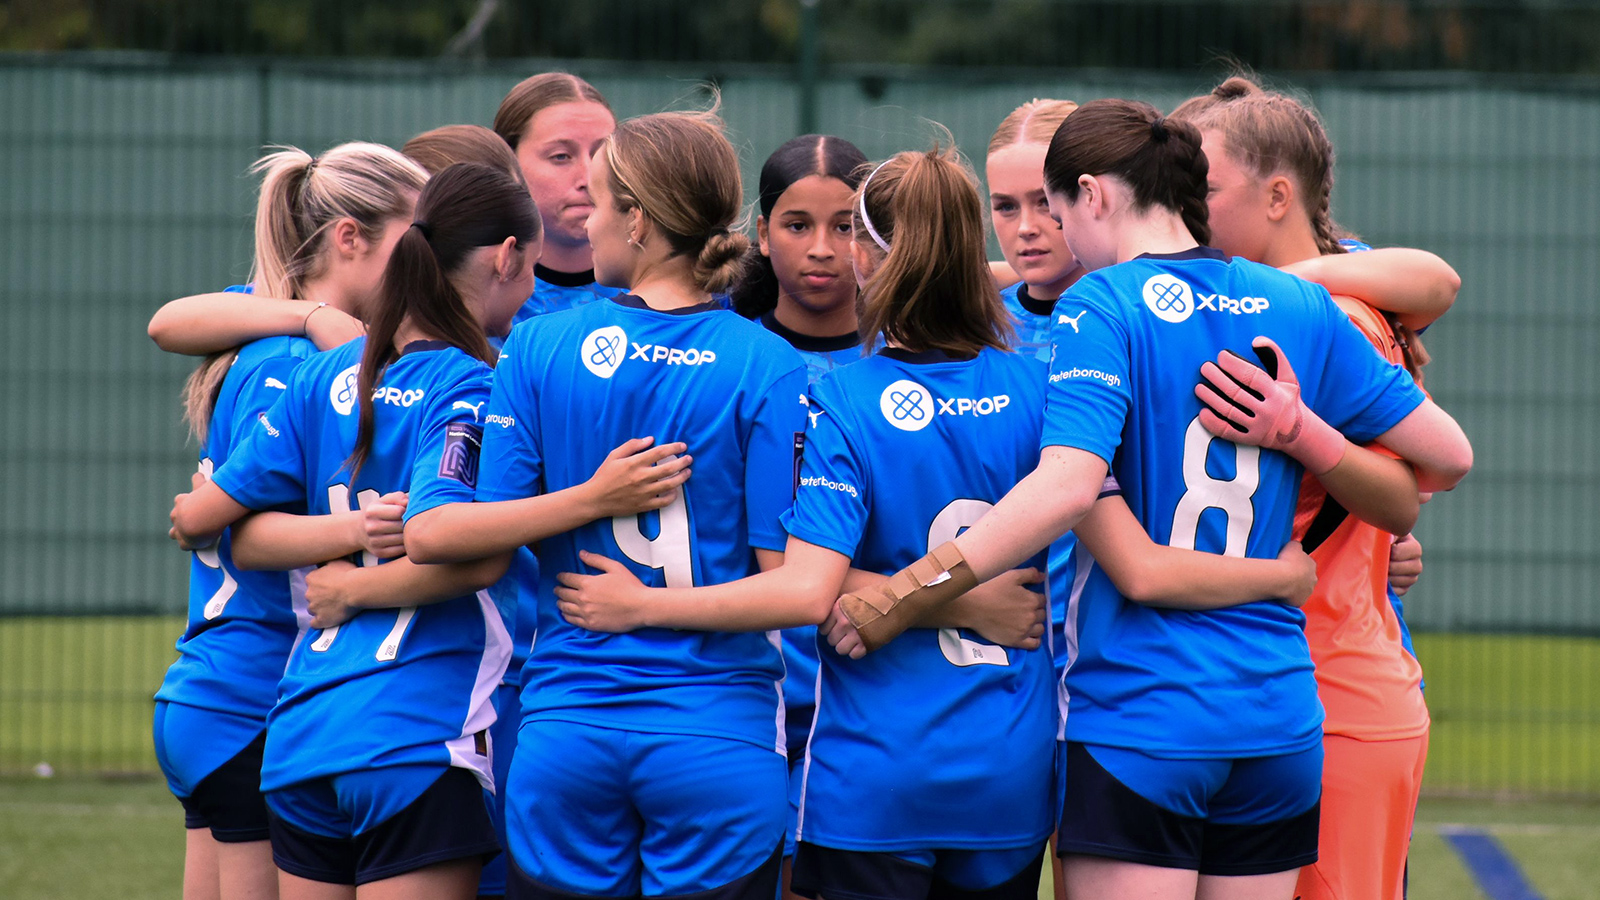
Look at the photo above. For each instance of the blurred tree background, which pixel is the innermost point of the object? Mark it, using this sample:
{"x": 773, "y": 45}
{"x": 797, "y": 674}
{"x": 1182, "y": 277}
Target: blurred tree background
{"x": 1526, "y": 36}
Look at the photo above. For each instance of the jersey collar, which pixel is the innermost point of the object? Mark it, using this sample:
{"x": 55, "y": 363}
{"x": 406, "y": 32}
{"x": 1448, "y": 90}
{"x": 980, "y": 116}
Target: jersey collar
{"x": 806, "y": 342}
{"x": 563, "y": 279}
{"x": 1032, "y": 304}
{"x": 634, "y": 301}
{"x": 922, "y": 357}
{"x": 423, "y": 346}
{"x": 1191, "y": 253}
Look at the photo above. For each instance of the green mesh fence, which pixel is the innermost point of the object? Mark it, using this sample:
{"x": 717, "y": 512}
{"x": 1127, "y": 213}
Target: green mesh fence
{"x": 124, "y": 185}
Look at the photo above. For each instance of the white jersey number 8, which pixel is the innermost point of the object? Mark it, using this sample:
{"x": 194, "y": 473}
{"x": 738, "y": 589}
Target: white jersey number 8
{"x": 960, "y": 651}
{"x": 1202, "y": 492}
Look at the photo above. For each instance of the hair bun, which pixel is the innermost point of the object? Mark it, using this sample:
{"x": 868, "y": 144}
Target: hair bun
{"x": 1158, "y": 130}
{"x": 721, "y": 260}
{"x": 1235, "y": 87}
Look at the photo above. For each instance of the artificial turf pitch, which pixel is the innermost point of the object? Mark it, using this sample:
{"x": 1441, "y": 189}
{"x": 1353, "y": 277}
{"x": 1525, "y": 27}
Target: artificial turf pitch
{"x": 1515, "y": 749}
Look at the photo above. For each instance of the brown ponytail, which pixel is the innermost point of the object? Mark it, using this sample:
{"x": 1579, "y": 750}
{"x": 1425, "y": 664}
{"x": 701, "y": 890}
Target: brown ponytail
{"x": 300, "y": 197}
{"x": 465, "y": 207}
{"x": 1158, "y": 157}
{"x": 933, "y": 289}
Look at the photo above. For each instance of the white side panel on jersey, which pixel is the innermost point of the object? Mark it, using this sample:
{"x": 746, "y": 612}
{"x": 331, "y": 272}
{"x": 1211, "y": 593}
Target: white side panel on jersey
{"x": 805, "y": 767}
{"x": 1069, "y": 630}
{"x": 775, "y": 638}
{"x": 480, "y": 710}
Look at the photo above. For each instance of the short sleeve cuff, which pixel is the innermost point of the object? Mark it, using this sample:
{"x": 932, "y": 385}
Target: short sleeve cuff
{"x": 812, "y": 536}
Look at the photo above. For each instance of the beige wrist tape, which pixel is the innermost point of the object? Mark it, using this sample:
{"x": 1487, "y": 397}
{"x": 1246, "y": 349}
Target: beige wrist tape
{"x": 881, "y": 613}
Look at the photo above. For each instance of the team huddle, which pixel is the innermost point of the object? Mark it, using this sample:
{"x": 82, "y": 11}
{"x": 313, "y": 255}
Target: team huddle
{"x": 554, "y": 539}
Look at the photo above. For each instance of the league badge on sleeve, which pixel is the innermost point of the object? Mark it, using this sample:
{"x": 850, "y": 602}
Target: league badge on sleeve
{"x": 459, "y": 461}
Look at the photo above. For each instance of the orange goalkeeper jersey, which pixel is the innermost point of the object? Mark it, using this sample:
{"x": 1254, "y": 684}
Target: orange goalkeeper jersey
{"x": 1369, "y": 685}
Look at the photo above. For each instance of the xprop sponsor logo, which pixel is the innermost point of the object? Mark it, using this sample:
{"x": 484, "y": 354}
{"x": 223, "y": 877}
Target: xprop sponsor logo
{"x": 1169, "y": 297}
{"x": 343, "y": 391}
{"x": 907, "y": 405}
{"x": 603, "y": 350}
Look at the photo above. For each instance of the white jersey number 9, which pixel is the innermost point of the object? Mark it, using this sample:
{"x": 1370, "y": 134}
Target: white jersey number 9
{"x": 1202, "y": 492}
{"x": 949, "y": 523}
{"x": 668, "y": 551}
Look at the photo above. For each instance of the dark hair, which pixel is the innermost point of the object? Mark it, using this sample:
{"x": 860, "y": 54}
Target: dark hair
{"x": 532, "y": 95}
{"x": 443, "y": 147}
{"x": 1158, "y": 158}
{"x": 809, "y": 154}
{"x": 680, "y": 171}
{"x": 932, "y": 290}
{"x": 465, "y": 207}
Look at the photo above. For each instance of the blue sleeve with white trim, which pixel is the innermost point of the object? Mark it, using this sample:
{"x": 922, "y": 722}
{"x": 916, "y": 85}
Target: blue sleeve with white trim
{"x": 267, "y": 467}
{"x": 769, "y": 456}
{"x": 831, "y": 500}
{"x": 511, "y": 463}
{"x": 1088, "y": 394}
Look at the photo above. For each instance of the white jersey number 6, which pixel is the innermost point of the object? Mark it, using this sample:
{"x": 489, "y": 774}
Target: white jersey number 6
{"x": 960, "y": 651}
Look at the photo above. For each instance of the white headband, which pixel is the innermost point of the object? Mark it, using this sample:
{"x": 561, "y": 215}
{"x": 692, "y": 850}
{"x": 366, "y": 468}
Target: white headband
{"x": 866, "y": 219}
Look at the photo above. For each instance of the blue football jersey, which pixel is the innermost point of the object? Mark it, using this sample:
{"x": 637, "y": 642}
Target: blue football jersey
{"x": 558, "y": 291}
{"x": 572, "y": 386}
{"x": 390, "y": 686}
{"x": 241, "y": 624}
{"x": 1129, "y": 343}
{"x": 905, "y": 451}
{"x": 821, "y": 356}
{"x": 1032, "y": 320}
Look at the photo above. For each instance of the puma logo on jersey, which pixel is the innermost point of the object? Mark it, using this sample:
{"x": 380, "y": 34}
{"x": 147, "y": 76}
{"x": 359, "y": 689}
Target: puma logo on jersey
{"x": 275, "y": 383}
{"x": 1071, "y": 320}
{"x": 462, "y": 404}
{"x": 814, "y": 416}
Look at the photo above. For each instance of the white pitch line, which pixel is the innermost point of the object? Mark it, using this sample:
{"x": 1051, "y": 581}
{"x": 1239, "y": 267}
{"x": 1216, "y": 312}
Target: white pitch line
{"x": 1498, "y": 828}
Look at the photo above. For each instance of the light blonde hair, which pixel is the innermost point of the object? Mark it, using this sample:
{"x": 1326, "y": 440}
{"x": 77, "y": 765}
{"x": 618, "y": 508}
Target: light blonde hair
{"x": 680, "y": 171}
{"x": 300, "y": 198}
{"x": 1034, "y": 122}
{"x": 932, "y": 289}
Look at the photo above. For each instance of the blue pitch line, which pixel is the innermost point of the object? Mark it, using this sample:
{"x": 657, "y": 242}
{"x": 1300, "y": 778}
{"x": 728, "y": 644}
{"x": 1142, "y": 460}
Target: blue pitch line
{"x": 1497, "y": 874}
